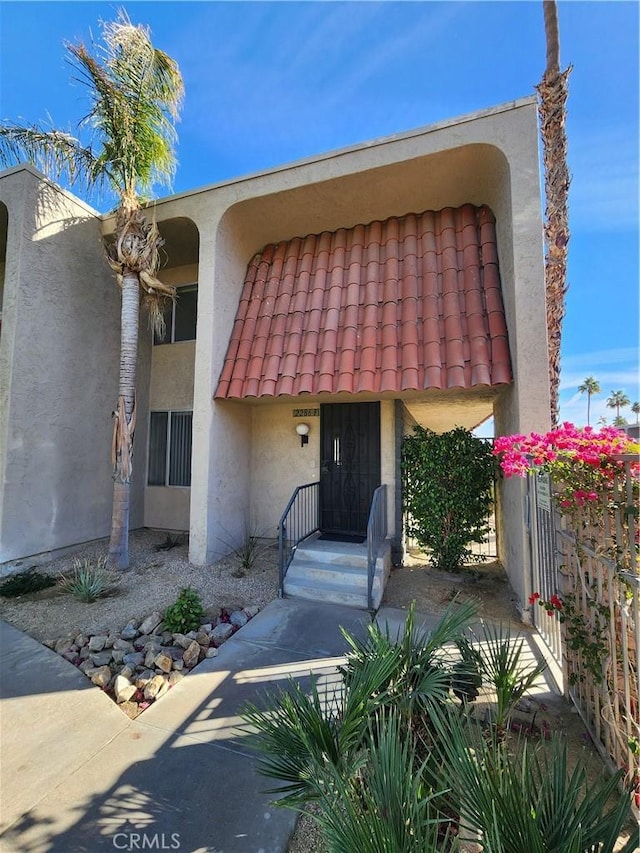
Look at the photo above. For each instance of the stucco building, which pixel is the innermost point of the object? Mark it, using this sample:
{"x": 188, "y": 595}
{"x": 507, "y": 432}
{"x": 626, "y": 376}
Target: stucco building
{"x": 358, "y": 292}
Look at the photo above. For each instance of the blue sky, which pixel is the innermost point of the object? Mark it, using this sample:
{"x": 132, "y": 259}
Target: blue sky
{"x": 271, "y": 82}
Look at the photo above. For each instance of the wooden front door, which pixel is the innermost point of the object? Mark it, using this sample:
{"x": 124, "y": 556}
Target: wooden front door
{"x": 349, "y": 466}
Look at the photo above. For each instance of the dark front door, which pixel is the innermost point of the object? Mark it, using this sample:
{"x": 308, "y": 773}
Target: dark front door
{"x": 349, "y": 465}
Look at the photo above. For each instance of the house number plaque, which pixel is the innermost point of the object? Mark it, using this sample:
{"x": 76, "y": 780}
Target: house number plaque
{"x": 306, "y": 413}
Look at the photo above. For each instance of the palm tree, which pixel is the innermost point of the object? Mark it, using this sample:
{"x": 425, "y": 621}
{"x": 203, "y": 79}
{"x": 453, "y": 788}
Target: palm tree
{"x": 619, "y": 421}
{"x": 589, "y": 387}
{"x": 552, "y": 91}
{"x": 602, "y": 420}
{"x": 618, "y": 400}
{"x": 135, "y": 92}
{"x": 635, "y": 408}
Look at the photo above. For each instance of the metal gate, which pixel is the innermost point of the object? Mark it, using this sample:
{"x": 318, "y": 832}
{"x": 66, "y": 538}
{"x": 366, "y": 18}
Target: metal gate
{"x": 544, "y": 559}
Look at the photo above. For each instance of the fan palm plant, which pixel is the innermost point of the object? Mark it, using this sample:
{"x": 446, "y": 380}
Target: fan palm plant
{"x": 128, "y": 145}
{"x": 522, "y": 798}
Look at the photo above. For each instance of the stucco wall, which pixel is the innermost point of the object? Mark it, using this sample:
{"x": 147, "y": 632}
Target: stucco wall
{"x": 486, "y": 158}
{"x": 58, "y": 372}
{"x": 170, "y": 388}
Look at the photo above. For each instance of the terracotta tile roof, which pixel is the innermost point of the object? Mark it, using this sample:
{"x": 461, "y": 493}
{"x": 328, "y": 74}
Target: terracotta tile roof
{"x": 402, "y": 305}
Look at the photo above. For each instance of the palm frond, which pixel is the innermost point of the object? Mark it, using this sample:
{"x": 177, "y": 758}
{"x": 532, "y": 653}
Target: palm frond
{"x": 57, "y": 154}
{"x": 136, "y": 92}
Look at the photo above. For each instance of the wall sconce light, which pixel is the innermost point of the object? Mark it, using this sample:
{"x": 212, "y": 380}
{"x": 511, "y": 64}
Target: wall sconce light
{"x": 303, "y": 432}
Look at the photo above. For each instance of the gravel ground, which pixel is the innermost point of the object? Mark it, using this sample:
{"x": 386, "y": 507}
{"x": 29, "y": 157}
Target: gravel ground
{"x": 152, "y": 583}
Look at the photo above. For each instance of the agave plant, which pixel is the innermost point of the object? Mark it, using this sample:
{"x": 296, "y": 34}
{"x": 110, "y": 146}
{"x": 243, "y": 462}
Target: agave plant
{"x": 89, "y": 580}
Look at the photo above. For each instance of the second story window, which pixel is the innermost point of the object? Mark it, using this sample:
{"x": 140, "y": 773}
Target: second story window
{"x": 180, "y": 318}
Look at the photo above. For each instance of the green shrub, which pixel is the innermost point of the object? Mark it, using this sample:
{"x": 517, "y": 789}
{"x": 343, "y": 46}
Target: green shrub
{"x": 89, "y": 580}
{"x": 447, "y": 492}
{"x": 25, "y": 582}
{"x": 185, "y": 615}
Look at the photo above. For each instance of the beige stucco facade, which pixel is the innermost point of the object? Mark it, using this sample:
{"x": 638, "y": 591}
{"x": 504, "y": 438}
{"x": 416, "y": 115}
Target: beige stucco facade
{"x": 247, "y": 458}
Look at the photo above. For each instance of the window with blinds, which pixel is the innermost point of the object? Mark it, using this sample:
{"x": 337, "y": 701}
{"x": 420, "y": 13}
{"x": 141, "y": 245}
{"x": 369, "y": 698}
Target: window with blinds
{"x": 170, "y": 449}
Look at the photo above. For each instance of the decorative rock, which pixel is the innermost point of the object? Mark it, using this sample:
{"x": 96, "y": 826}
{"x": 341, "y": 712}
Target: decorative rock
{"x": 175, "y": 677}
{"x": 97, "y": 643}
{"x": 120, "y": 644}
{"x": 86, "y": 665}
{"x": 150, "y": 623}
{"x": 252, "y": 611}
{"x": 129, "y": 632}
{"x": 202, "y": 638}
{"x": 182, "y": 640}
{"x": 100, "y": 676}
{"x": 156, "y": 687}
{"x": 192, "y": 635}
{"x": 191, "y": 655}
{"x": 117, "y": 655}
{"x": 221, "y": 633}
{"x": 178, "y": 665}
{"x": 211, "y": 652}
{"x": 80, "y": 641}
{"x": 213, "y": 614}
{"x": 101, "y": 659}
{"x": 239, "y": 618}
{"x": 164, "y": 662}
{"x": 150, "y": 658}
{"x": 126, "y": 672}
{"x": 167, "y": 638}
{"x": 123, "y": 689}
{"x": 133, "y": 659}
{"x": 131, "y": 709}
{"x": 71, "y": 656}
{"x": 63, "y": 645}
{"x": 109, "y": 642}
{"x": 208, "y": 628}
{"x": 144, "y": 678}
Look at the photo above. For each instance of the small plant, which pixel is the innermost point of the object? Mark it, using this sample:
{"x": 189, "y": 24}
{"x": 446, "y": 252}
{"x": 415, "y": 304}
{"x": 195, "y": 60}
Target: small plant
{"x": 170, "y": 542}
{"x": 89, "y": 580}
{"x": 185, "y": 614}
{"x": 506, "y": 672}
{"x": 252, "y": 546}
{"x": 25, "y": 582}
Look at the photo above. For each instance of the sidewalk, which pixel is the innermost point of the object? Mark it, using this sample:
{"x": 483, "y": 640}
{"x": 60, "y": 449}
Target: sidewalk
{"x": 77, "y": 775}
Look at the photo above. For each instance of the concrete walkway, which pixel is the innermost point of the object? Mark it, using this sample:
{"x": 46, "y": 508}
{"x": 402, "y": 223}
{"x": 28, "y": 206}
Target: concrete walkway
{"x": 77, "y": 775}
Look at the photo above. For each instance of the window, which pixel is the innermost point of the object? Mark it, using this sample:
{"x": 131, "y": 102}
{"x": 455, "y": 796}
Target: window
{"x": 180, "y": 317}
{"x": 170, "y": 449}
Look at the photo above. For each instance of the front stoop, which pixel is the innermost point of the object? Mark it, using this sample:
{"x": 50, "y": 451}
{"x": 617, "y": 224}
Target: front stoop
{"x": 336, "y": 573}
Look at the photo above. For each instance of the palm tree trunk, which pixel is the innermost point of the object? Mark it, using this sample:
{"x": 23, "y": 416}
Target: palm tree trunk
{"x": 588, "y": 408}
{"x": 552, "y": 92}
{"x": 124, "y": 421}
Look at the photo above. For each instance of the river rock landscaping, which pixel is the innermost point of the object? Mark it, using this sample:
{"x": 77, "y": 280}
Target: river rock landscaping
{"x": 137, "y": 665}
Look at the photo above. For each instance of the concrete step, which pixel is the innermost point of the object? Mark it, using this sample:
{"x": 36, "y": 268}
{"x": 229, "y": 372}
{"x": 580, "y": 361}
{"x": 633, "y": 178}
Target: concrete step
{"x": 348, "y": 596}
{"x": 309, "y": 571}
{"x": 332, "y": 553}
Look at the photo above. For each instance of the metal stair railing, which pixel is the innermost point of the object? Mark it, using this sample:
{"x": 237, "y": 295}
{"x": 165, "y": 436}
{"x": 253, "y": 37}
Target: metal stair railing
{"x": 300, "y": 519}
{"x": 376, "y": 535}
